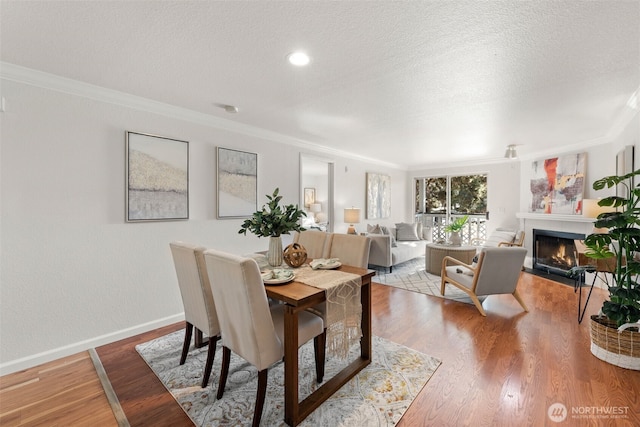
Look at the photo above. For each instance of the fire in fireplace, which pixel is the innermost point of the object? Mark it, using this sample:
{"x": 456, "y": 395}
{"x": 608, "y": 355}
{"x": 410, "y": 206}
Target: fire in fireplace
{"x": 555, "y": 251}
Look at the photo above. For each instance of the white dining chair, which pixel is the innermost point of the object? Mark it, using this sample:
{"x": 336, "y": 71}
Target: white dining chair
{"x": 350, "y": 249}
{"x": 249, "y": 326}
{"x": 316, "y": 243}
{"x": 197, "y": 300}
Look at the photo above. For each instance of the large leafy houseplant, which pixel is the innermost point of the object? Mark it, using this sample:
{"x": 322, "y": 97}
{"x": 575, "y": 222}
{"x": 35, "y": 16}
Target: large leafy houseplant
{"x": 272, "y": 221}
{"x": 621, "y": 242}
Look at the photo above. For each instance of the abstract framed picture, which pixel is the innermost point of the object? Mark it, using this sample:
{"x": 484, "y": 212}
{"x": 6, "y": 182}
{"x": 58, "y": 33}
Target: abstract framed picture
{"x": 237, "y": 182}
{"x": 157, "y": 177}
{"x": 557, "y": 184}
{"x": 378, "y": 196}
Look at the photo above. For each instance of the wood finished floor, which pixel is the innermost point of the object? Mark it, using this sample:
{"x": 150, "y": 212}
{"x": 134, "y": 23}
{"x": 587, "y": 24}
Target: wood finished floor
{"x": 502, "y": 370}
{"x": 65, "y": 392}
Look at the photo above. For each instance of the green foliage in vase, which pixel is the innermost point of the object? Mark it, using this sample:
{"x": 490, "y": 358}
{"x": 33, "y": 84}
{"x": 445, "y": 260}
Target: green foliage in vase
{"x": 274, "y": 220}
{"x": 457, "y": 224}
{"x": 621, "y": 242}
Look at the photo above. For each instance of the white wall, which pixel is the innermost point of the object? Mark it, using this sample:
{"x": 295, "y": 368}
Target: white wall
{"x": 601, "y": 162}
{"x": 351, "y": 184}
{"x": 74, "y": 275}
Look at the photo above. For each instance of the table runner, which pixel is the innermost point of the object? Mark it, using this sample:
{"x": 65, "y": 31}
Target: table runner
{"x": 343, "y": 308}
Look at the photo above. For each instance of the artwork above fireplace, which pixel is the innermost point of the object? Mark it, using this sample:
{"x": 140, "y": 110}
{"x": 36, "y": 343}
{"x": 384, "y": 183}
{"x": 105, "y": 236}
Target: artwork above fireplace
{"x": 557, "y": 185}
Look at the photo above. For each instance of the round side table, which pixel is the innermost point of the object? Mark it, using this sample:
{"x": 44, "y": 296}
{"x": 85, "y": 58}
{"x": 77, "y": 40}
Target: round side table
{"x": 434, "y": 253}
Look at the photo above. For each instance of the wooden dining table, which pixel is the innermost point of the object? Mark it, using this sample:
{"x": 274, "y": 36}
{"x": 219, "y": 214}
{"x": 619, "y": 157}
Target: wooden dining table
{"x": 297, "y": 297}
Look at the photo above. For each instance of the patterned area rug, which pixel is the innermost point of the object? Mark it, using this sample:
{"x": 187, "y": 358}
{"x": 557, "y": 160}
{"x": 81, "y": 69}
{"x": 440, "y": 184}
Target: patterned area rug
{"x": 412, "y": 276}
{"x": 378, "y": 396}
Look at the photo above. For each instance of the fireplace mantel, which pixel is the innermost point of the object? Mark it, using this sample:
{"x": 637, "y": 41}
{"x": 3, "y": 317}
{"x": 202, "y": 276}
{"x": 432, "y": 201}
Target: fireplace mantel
{"x": 554, "y": 217}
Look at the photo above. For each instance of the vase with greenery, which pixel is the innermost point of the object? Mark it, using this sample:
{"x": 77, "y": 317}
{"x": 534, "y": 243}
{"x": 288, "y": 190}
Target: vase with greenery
{"x": 619, "y": 246}
{"x": 454, "y": 227}
{"x": 272, "y": 221}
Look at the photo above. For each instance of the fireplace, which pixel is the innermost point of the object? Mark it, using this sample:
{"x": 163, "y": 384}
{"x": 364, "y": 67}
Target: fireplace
{"x": 554, "y": 251}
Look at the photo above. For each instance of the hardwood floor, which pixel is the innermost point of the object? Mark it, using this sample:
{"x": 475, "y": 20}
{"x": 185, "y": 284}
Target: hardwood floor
{"x": 65, "y": 392}
{"x": 505, "y": 369}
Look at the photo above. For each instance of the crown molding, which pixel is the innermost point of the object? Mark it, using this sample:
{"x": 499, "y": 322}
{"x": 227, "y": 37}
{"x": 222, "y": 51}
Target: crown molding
{"x": 29, "y": 76}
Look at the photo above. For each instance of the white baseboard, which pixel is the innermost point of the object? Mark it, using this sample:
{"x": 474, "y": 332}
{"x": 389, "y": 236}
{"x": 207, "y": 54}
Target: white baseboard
{"x": 57, "y": 353}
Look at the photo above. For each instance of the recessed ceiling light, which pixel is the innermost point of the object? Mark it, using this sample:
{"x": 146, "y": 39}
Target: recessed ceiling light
{"x": 299, "y": 59}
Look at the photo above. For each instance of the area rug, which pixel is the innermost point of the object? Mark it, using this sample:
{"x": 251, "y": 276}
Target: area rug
{"x": 412, "y": 276}
{"x": 378, "y": 396}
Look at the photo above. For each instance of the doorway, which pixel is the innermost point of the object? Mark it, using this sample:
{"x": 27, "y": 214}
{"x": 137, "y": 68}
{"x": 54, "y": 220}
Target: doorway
{"x": 316, "y": 189}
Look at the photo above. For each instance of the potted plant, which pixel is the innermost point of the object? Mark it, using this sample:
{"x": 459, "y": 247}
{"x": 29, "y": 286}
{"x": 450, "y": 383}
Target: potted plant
{"x": 272, "y": 221}
{"x": 615, "y": 337}
{"x": 455, "y": 227}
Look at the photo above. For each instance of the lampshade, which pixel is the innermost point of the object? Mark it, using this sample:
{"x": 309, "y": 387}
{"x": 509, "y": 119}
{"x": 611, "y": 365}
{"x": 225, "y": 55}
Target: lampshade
{"x": 315, "y": 207}
{"x": 591, "y": 209}
{"x": 352, "y": 215}
{"x": 511, "y": 152}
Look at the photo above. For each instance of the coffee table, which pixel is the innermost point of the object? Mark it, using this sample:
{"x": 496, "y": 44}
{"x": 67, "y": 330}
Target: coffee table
{"x": 435, "y": 252}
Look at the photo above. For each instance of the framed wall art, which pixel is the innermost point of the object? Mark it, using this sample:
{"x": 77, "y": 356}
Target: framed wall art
{"x": 309, "y": 197}
{"x": 378, "y": 196}
{"x": 557, "y": 184}
{"x": 157, "y": 174}
{"x": 237, "y": 183}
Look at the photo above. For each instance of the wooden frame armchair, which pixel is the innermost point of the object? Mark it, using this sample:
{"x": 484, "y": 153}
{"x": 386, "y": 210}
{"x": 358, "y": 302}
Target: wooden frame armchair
{"x": 497, "y": 272}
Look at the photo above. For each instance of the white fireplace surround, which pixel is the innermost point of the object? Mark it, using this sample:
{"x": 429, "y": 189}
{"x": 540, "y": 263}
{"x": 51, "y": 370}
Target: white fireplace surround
{"x": 566, "y": 223}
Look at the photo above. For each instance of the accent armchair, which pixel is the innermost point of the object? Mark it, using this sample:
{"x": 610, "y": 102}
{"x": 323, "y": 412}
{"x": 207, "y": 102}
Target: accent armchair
{"x": 497, "y": 272}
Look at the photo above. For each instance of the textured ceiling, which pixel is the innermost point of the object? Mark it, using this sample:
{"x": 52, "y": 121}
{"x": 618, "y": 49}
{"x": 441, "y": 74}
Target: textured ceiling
{"x": 412, "y": 83}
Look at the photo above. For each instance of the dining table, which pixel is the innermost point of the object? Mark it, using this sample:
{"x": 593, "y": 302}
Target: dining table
{"x": 297, "y": 297}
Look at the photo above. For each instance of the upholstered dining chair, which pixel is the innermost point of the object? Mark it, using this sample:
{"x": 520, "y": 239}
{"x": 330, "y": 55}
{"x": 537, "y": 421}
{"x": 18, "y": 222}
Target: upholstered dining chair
{"x": 314, "y": 242}
{"x": 197, "y": 299}
{"x": 496, "y": 272}
{"x": 350, "y": 249}
{"x": 250, "y": 327}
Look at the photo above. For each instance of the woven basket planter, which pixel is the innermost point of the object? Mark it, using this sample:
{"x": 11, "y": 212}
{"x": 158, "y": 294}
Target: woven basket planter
{"x": 618, "y": 348}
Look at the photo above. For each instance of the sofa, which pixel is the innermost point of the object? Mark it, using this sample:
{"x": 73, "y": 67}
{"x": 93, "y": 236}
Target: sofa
{"x": 391, "y": 246}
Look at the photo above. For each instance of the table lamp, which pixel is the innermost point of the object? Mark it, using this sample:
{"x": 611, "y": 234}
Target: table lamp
{"x": 316, "y": 208}
{"x": 351, "y": 217}
{"x": 591, "y": 209}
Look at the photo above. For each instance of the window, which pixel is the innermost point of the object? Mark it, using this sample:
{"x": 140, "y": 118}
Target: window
{"x": 439, "y": 200}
